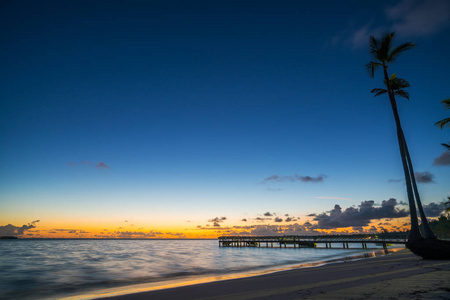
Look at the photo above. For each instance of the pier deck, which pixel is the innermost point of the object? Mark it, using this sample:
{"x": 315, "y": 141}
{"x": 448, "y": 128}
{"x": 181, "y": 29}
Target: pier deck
{"x": 318, "y": 241}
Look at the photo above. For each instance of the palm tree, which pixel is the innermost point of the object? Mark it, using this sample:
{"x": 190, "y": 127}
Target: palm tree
{"x": 398, "y": 86}
{"x": 445, "y": 122}
{"x": 383, "y": 56}
{"x": 429, "y": 247}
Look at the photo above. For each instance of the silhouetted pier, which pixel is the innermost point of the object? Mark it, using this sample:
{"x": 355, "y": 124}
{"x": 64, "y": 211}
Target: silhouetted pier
{"x": 317, "y": 241}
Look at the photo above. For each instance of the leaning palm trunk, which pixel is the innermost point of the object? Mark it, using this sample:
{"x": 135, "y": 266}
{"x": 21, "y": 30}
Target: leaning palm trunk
{"x": 426, "y": 229}
{"x": 415, "y": 233}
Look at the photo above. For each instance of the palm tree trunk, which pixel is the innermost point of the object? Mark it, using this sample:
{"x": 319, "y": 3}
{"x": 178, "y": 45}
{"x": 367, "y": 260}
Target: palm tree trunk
{"x": 426, "y": 229}
{"x": 415, "y": 233}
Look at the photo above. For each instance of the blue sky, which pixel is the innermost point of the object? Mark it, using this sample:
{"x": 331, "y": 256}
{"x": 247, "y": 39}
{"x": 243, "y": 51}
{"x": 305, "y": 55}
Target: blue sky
{"x": 164, "y": 112}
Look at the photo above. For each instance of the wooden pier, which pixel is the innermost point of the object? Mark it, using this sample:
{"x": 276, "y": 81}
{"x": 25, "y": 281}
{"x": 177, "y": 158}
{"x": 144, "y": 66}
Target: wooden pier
{"x": 318, "y": 241}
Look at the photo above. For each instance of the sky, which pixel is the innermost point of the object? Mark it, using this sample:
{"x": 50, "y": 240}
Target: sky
{"x": 196, "y": 119}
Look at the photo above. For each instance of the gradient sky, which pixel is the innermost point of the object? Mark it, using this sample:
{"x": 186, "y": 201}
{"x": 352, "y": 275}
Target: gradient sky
{"x": 185, "y": 118}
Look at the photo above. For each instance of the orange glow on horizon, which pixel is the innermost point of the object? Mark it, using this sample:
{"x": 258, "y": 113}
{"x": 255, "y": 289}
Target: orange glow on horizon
{"x": 189, "y": 231}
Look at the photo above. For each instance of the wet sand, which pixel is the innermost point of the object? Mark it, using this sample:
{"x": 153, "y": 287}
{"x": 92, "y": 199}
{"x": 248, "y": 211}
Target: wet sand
{"x": 400, "y": 275}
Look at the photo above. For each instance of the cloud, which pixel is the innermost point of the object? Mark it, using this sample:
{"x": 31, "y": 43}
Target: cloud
{"x": 443, "y": 159}
{"x": 408, "y": 18}
{"x": 273, "y": 189}
{"x": 11, "y": 230}
{"x": 99, "y": 165}
{"x": 334, "y": 198}
{"x": 434, "y": 209}
{"x": 419, "y": 18}
{"x": 244, "y": 220}
{"x": 277, "y": 220}
{"x": 361, "y": 216}
{"x": 137, "y": 234}
{"x": 424, "y": 177}
{"x": 216, "y": 221}
{"x": 395, "y": 180}
{"x": 268, "y": 214}
{"x": 259, "y": 219}
{"x": 102, "y": 165}
{"x": 361, "y": 36}
{"x": 294, "y": 178}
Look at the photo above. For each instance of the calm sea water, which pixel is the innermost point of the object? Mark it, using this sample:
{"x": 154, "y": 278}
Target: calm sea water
{"x": 53, "y": 269}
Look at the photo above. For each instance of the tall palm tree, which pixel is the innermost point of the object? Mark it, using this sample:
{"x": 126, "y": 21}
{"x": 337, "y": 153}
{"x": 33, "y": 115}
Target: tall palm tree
{"x": 445, "y": 122}
{"x": 429, "y": 247}
{"x": 397, "y": 86}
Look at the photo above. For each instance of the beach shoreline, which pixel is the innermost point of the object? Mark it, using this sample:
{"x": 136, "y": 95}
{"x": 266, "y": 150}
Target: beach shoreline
{"x": 400, "y": 275}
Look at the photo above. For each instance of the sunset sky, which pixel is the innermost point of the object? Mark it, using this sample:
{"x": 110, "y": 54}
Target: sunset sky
{"x": 196, "y": 119}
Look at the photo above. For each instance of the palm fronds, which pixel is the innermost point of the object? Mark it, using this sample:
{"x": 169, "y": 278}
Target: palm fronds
{"x": 396, "y": 85}
{"x": 446, "y": 121}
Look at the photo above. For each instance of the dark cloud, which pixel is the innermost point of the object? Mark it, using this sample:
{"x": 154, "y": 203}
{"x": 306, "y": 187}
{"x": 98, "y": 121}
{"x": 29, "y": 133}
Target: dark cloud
{"x": 278, "y": 220}
{"x": 288, "y": 219}
{"x": 11, "y": 230}
{"x": 424, "y": 177}
{"x": 294, "y": 178}
{"x": 259, "y": 219}
{"x": 354, "y": 217}
{"x": 244, "y": 220}
{"x": 102, "y": 165}
{"x": 443, "y": 159}
{"x": 434, "y": 209}
{"x": 307, "y": 224}
{"x": 216, "y": 221}
{"x": 268, "y": 214}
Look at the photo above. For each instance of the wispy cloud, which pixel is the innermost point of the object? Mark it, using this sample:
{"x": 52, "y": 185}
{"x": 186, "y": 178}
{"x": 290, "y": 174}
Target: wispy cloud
{"x": 294, "y": 178}
{"x": 395, "y": 180}
{"x": 333, "y": 198}
{"x": 419, "y": 18}
{"x": 102, "y": 165}
{"x": 408, "y": 18}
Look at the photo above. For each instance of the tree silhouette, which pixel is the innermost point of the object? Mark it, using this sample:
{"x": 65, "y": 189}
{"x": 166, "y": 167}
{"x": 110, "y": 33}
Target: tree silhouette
{"x": 445, "y": 122}
{"x": 397, "y": 86}
{"x": 384, "y": 54}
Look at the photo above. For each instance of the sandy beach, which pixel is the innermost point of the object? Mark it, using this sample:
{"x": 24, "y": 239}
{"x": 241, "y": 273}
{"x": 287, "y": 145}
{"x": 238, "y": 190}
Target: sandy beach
{"x": 400, "y": 275}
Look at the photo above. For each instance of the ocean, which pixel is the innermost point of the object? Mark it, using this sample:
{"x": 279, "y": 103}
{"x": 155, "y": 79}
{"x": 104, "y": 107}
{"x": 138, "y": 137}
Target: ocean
{"x": 82, "y": 269}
